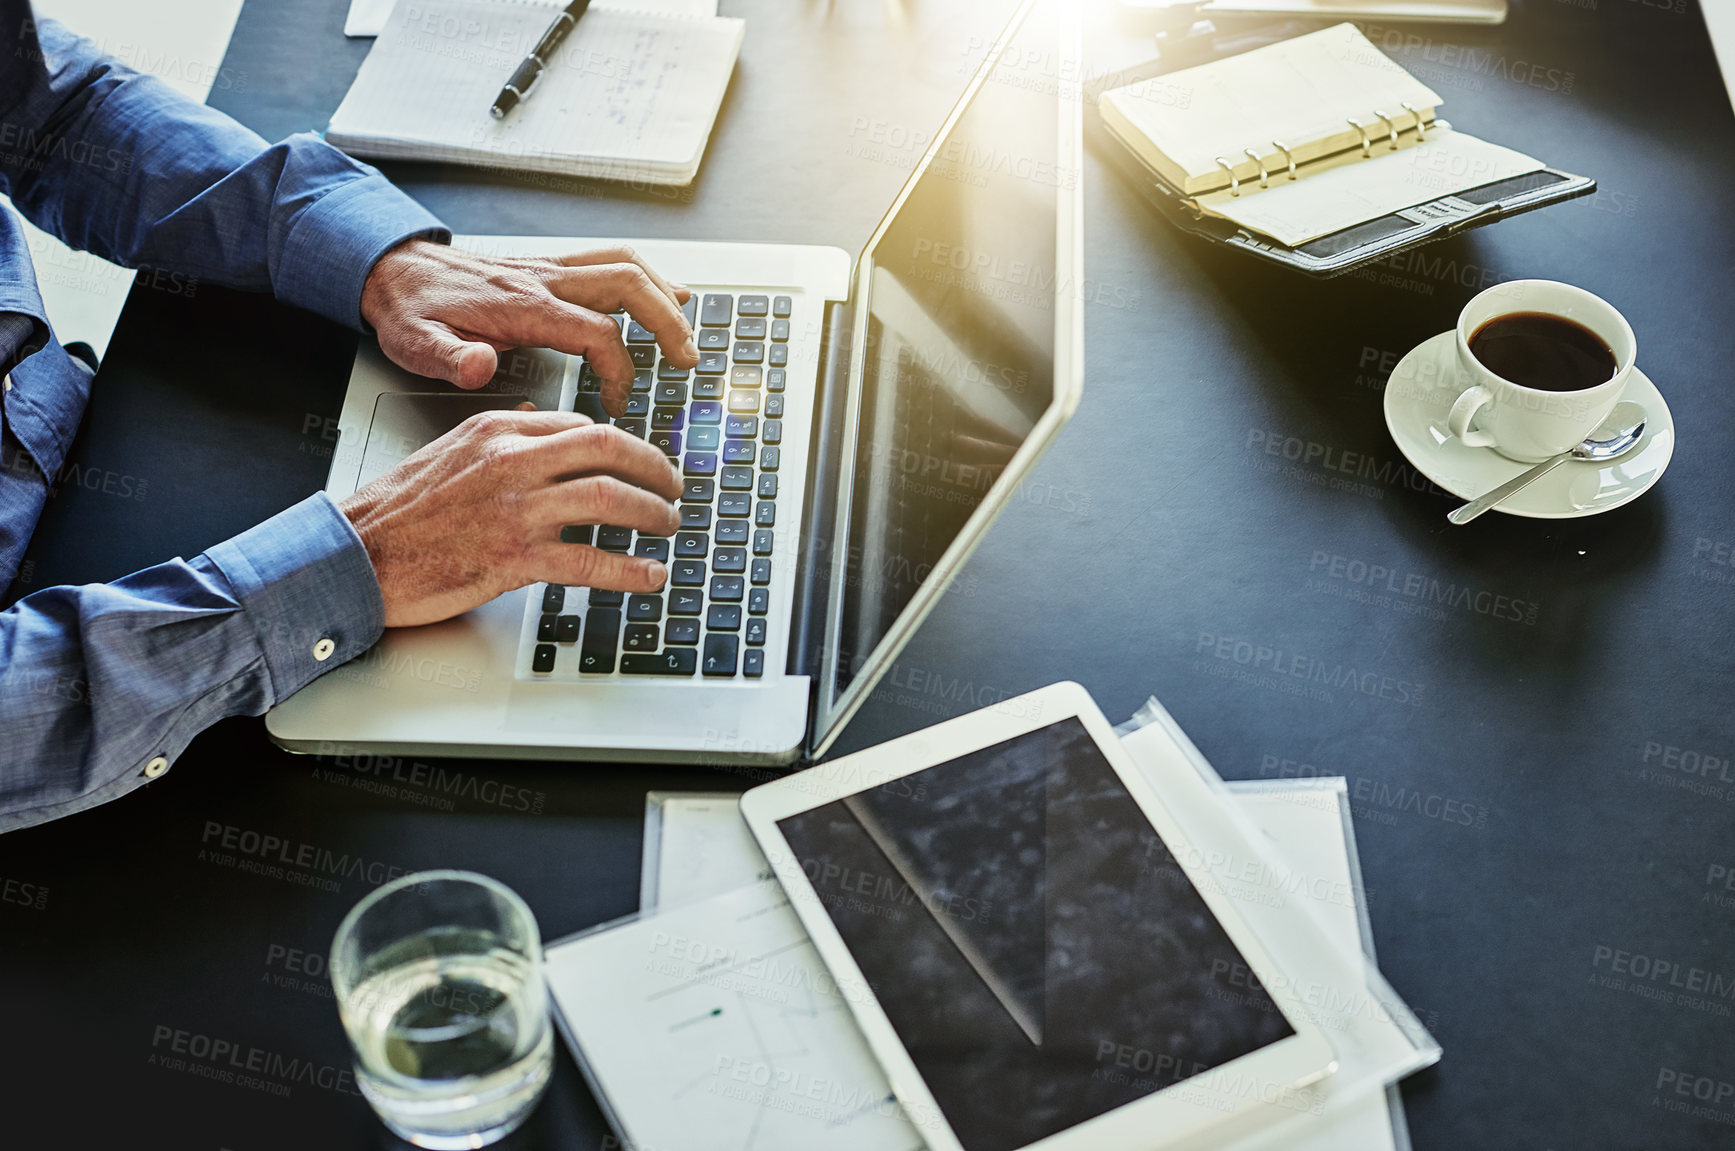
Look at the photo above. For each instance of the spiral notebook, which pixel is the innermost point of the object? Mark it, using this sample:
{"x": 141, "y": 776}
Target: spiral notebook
{"x": 629, "y": 95}
{"x": 1319, "y": 150}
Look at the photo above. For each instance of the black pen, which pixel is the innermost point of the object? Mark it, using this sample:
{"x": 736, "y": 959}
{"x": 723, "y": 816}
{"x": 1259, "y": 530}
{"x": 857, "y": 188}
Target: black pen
{"x": 528, "y": 73}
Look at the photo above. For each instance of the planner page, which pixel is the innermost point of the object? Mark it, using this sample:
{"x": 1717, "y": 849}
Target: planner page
{"x": 1299, "y": 94}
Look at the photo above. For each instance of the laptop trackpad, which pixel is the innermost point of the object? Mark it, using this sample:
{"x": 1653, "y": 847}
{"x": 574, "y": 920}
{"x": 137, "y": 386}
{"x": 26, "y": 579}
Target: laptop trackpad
{"x": 406, "y": 422}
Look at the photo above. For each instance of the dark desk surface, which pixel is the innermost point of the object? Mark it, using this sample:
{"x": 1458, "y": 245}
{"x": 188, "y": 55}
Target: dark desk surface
{"x": 1590, "y": 745}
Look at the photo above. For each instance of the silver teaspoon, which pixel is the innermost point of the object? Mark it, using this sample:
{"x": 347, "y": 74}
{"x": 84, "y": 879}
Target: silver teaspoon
{"x": 1616, "y": 437}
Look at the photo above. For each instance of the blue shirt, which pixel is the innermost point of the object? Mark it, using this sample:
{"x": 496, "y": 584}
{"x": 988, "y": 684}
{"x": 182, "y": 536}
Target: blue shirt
{"x": 102, "y": 686}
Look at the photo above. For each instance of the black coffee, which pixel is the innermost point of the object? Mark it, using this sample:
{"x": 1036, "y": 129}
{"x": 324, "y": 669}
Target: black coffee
{"x": 1549, "y": 353}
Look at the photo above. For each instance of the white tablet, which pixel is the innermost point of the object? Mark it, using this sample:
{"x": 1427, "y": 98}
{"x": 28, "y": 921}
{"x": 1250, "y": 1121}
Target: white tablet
{"x": 999, "y": 900}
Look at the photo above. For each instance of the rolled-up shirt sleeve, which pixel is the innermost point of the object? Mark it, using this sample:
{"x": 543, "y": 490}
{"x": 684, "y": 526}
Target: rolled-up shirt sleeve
{"x": 105, "y": 685}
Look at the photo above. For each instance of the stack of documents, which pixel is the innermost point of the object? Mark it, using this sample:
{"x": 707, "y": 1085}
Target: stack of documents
{"x": 710, "y": 1021}
{"x": 630, "y": 94}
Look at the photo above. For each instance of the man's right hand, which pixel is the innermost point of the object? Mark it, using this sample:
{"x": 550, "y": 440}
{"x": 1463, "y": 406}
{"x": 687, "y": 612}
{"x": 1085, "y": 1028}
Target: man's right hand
{"x": 478, "y": 512}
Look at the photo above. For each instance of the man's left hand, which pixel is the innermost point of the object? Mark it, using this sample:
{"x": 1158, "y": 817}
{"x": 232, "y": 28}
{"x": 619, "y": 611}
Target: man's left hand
{"x": 447, "y": 313}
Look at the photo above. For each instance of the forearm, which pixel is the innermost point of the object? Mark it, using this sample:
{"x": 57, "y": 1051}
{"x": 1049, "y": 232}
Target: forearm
{"x": 118, "y": 164}
{"x": 103, "y": 686}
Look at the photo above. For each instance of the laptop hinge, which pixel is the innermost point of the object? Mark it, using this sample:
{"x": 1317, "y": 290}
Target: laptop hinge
{"x": 812, "y": 569}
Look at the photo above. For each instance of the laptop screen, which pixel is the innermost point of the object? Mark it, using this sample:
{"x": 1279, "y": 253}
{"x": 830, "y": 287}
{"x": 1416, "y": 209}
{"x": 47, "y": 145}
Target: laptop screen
{"x": 959, "y": 361}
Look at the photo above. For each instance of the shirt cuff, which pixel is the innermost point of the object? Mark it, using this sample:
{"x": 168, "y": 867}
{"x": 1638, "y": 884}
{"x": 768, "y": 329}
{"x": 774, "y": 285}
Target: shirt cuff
{"x": 339, "y": 238}
{"x": 305, "y": 580}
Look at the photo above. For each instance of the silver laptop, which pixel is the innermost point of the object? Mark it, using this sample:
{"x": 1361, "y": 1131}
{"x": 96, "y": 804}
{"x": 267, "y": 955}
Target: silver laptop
{"x": 845, "y": 443}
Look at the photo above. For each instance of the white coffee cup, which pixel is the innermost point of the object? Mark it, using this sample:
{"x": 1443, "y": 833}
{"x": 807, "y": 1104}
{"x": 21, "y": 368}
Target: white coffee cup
{"x": 1529, "y": 424}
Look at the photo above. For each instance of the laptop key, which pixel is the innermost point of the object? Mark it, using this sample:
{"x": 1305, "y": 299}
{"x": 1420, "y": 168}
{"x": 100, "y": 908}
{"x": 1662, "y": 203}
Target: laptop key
{"x": 727, "y": 588}
{"x": 723, "y": 617}
{"x": 545, "y": 628}
{"x": 632, "y": 427}
{"x": 761, "y": 572}
{"x": 731, "y": 531}
{"x": 588, "y": 381}
{"x": 768, "y": 487}
{"x": 566, "y": 629}
{"x": 716, "y": 311}
{"x": 738, "y": 480}
{"x": 765, "y": 515}
{"x": 780, "y": 330}
{"x": 730, "y": 560}
{"x": 759, "y": 600}
{"x": 612, "y": 539}
{"x": 639, "y": 334}
{"x": 542, "y": 659}
{"x": 668, "y": 419}
{"x": 643, "y": 357}
{"x": 670, "y": 442}
{"x": 596, "y": 651}
{"x": 773, "y": 407}
{"x": 773, "y": 431}
{"x": 754, "y": 305}
{"x": 778, "y": 355}
{"x": 704, "y": 438}
{"x": 705, "y": 412}
{"x": 753, "y": 663}
{"x": 691, "y": 545}
{"x": 720, "y": 653}
{"x": 738, "y": 452}
{"x": 775, "y": 379}
{"x": 669, "y": 661}
{"x": 713, "y": 363}
{"x": 681, "y": 631}
{"x": 713, "y": 339}
{"x": 553, "y": 597}
{"x": 700, "y": 464}
{"x": 768, "y": 459}
{"x": 641, "y": 637}
{"x": 695, "y": 518}
{"x": 742, "y": 427}
{"x": 668, "y": 371}
{"x": 645, "y": 608}
{"x": 639, "y": 403}
{"x": 749, "y": 329}
{"x": 749, "y": 353}
{"x": 733, "y": 504}
{"x": 746, "y": 376}
{"x": 603, "y": 597}
{"x": 671, "y": 392}
{"x": 690, "y": 309}
{"x": 780, "y": 306}
{"x": 697, "y": 491}
{"x": 708, "y": 388}
{"x": 761, "y": 542}
{"x": 686, "y": 601}
{"x": 642, "y": 381}
{"x": 657, "y": 548}
{"x": 756, "y": 629}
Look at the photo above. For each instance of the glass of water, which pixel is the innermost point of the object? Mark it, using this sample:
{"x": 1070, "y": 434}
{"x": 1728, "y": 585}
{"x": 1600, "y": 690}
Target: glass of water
{"x": 439, "y": 982}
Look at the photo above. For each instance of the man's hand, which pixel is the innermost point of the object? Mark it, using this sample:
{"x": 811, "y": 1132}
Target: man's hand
{"x": 478, "y": 512}
{"x": 446, "y": 313}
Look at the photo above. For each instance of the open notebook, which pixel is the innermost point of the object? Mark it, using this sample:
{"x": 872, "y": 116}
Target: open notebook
{"x": 631, "y": 94}
{"x": 1315, "y": 137}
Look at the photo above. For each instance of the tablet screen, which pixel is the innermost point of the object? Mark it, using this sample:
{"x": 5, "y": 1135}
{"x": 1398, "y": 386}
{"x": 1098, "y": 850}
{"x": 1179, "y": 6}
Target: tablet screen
{"x": 1040, "y": 953}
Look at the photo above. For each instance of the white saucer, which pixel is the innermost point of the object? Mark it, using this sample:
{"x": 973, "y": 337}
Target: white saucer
{"x": 1420, "y": 393}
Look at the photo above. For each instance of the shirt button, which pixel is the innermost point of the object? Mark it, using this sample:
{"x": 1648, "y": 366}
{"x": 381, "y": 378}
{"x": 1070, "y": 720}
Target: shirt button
{"x": 9, "y": 383}
{"x": 156, "y": 767}
{"x": 323, "y": 649}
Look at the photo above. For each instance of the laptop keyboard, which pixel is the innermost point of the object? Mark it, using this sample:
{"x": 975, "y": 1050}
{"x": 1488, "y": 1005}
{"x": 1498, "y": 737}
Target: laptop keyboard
{"x": 722, "y": 427}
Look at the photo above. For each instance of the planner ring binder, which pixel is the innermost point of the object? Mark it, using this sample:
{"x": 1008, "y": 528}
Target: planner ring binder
{"x": 1417, "y": 121}
{"x": 1187, "y": 139}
